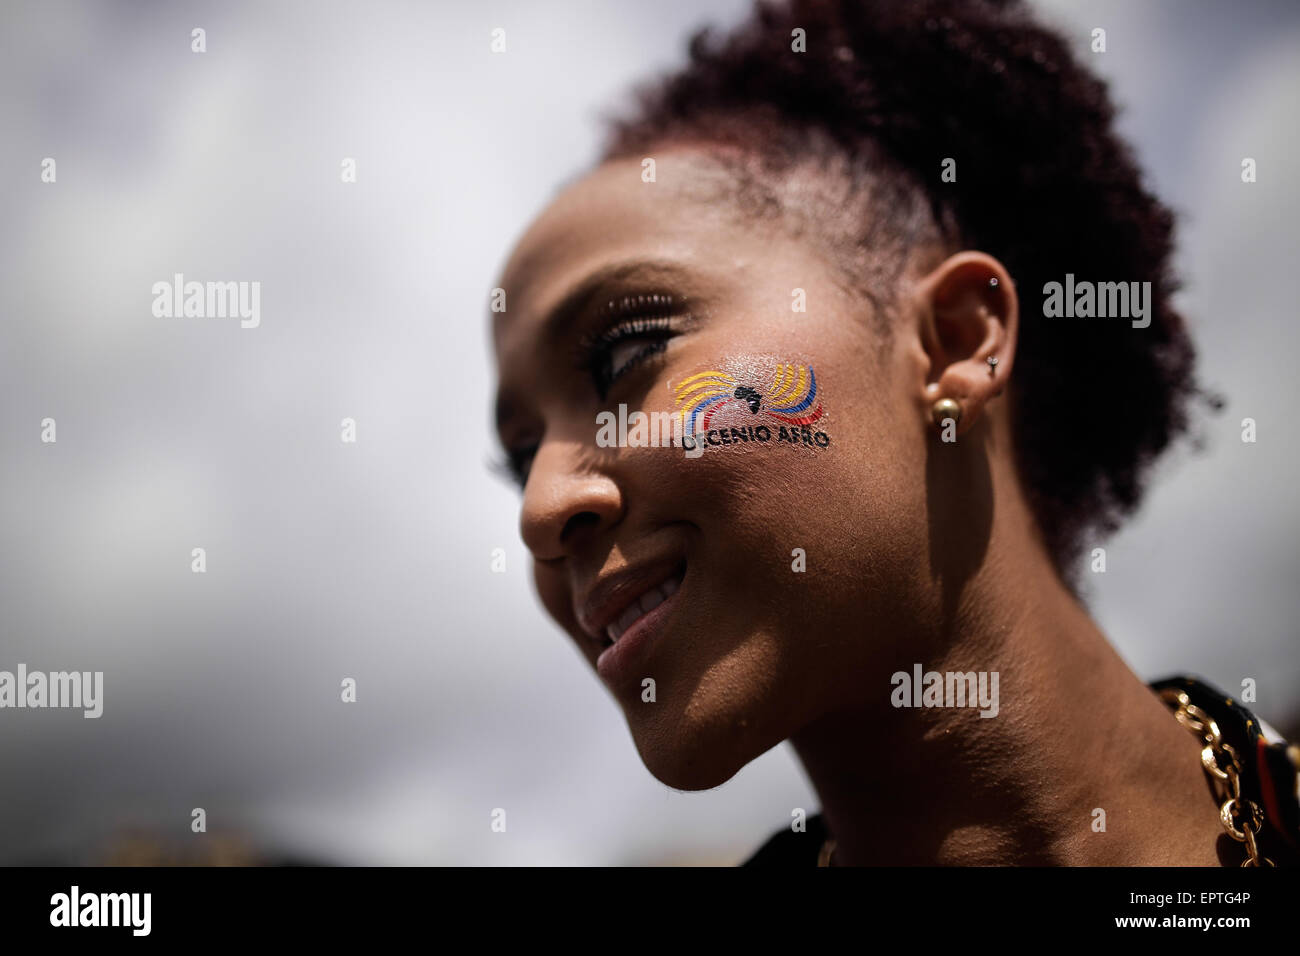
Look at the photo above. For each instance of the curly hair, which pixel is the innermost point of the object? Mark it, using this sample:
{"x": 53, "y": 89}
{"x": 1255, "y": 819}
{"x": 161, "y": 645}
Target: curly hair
{"x": 885, "y": 91}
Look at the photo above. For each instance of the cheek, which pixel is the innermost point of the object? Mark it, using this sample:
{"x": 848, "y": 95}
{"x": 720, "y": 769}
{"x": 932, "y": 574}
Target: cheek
{"x": 749, "y": 431}
{"x": 786, "y": 434}
{"x": 807, "y": 484}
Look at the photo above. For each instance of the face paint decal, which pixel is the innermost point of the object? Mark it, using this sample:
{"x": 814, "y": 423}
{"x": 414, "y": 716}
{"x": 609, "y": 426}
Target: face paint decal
{"x": 795, "y": 396}
{"x": 750, "y": 400}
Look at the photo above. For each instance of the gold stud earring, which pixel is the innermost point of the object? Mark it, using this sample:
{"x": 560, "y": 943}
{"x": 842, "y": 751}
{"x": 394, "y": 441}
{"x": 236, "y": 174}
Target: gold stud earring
{"x": 945, "y": 408}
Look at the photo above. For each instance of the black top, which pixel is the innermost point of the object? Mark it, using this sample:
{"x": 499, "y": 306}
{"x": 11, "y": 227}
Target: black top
{"x": 1270, "y": 777}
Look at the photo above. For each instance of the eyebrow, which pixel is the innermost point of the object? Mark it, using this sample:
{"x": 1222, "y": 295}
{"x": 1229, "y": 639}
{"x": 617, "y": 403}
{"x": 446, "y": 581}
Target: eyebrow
{"x": 575, "y": 302}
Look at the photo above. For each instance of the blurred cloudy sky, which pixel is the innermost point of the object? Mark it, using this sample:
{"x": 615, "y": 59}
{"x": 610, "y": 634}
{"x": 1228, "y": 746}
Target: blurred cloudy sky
{"x": 372, "y": 560}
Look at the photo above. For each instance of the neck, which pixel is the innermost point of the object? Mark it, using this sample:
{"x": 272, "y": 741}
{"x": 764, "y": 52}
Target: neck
{"x": 1076, "y": 732}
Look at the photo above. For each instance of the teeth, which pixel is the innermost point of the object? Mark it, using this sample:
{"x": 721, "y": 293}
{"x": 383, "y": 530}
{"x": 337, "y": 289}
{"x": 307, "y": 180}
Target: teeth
{"x": 644, "y": 605}
{"x": 652, "y": 599}
{"x": 627, "y": 617}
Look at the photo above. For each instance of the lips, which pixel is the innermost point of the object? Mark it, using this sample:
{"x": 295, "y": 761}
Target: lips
{"x": 618, "y": 601}
{"x": 643, "y": 605}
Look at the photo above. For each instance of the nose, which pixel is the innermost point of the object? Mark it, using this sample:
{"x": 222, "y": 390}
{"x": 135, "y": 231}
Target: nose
{"x": 569, "y": 500}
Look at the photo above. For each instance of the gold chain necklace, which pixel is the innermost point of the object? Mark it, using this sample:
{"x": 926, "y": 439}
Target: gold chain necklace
{"x": 1242, "y": 818}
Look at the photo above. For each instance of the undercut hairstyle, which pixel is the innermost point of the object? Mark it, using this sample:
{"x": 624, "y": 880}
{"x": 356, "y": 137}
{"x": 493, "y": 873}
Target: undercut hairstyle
{"x": 885, "y": 93}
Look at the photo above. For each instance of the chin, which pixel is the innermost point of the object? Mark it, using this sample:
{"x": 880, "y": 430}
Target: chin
{"x": 695, "y": 749}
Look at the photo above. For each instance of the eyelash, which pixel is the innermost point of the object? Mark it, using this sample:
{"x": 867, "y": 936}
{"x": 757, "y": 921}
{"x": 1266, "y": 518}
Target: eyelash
{"x": 644, "y": 316}
{"x": 653, "y": 322}
{"x": 512, "y": 465}
{"x": 595, "y": 351}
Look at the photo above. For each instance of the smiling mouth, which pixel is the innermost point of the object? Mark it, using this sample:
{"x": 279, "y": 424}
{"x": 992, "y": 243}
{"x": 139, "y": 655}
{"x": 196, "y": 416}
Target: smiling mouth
{"x": 645, "y": 602}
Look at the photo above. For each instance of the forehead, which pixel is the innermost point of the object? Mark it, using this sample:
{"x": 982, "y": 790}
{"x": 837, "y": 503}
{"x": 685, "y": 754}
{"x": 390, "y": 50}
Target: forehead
{"x": 612, "y": 216}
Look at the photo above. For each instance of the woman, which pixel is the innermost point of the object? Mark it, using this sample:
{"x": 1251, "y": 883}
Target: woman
{"x": 824, "y": 253}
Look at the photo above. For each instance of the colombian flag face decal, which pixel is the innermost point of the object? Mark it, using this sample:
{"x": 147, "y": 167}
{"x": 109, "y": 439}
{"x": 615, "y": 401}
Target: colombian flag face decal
{"x": 788, "y": 397}
{"x": 750, "y": 399}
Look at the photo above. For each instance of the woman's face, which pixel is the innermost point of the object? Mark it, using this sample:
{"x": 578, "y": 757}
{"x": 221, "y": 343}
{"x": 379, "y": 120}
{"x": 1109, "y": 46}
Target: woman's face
{"x": 798, "y": 561}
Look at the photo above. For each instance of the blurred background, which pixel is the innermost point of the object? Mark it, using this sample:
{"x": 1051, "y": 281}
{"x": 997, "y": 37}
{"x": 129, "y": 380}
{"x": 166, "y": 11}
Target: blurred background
{"x": 372, "y": 560}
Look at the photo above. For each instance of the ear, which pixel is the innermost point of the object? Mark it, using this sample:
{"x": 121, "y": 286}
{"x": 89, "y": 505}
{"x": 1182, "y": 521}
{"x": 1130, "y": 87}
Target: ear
{"x": 969, "y": 314}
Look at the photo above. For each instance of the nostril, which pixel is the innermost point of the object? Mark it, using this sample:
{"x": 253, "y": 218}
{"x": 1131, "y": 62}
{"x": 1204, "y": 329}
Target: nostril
{"x": 577, "y": 522}
{"x": 566, "y": 509}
